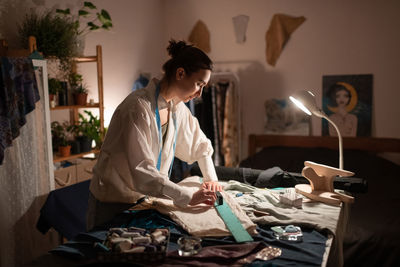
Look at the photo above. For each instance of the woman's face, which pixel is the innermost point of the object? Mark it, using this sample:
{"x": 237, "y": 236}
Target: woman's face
{"x": 190, "y": 87}
{"x": 342, "y": 98}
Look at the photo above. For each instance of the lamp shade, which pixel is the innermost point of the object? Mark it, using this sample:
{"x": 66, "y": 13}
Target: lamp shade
{"x": 305, "y": 100}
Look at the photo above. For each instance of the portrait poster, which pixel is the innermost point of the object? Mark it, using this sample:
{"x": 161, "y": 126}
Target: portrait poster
{"x": 347, "y": 100}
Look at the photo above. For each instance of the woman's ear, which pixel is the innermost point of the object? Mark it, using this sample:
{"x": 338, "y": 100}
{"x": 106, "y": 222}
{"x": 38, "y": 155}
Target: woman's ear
{"x": 180, "y": 73}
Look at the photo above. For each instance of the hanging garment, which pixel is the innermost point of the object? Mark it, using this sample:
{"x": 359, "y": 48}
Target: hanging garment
{"x": 278, "y": 34}
{"x": 198, "y": 220}
{"x": 230, "y": 139}
{"x": 200, "y": 36}
{"x": 240, "y": 26}
{"x": 140, "y": 82}
{"x": 204, "y": 113}
{"x": 18, "y": 95}
{"x": 217, "y": 148}
{"x": 221, "y": 96}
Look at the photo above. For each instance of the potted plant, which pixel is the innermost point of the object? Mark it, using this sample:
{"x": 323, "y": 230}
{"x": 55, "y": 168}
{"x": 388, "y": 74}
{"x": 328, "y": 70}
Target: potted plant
{"x": 89, "y": 130}
{"x": 60, "y": 137}
{"x": 79, "y": 90}
{"x": 54, "y": 88}
{"x": 87, "y": 19}
{"x": 55, "y": 36}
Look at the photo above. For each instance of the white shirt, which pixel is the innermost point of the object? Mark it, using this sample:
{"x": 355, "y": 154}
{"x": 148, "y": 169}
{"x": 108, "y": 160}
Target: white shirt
{"x": 126, "y": 167}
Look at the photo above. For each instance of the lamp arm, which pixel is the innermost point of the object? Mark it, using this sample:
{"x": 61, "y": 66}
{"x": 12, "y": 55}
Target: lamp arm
{"x": 340, "y": 141}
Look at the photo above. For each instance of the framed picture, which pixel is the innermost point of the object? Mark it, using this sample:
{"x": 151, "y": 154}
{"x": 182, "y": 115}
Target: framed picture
{"x": 282, "y": 117}
{"x": 347, "y": 100}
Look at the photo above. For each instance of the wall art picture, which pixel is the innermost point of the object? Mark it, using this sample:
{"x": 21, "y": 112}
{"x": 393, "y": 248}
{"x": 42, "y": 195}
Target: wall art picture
{"x": 282, "y": 117}
{"x": 347, "y": 100}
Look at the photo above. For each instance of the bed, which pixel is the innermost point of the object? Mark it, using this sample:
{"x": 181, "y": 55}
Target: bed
{"x": 372, "y": 234}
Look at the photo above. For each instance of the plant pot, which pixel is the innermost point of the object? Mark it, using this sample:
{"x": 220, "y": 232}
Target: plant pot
{"x": 75, "y": 147}
{"x": 65, "y": 151}
{"x": 85, "y": 143}
{"x": 80, "y": 45}
{"x": 80, "y": 99}
{"x": 52, "y": 100}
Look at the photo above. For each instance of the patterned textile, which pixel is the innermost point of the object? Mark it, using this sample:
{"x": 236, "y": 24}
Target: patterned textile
{"x": 18, "y": 95}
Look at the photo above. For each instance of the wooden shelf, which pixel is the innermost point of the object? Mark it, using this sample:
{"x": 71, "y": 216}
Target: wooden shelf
{"x": 95, "y": 105}
{"x": 86, "y": 59}
{"x": 58, "y": 158}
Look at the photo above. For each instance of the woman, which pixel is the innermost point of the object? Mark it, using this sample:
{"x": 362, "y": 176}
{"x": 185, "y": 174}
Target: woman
{"x": 346, "y": 122}
{"x": 149, "y": 128}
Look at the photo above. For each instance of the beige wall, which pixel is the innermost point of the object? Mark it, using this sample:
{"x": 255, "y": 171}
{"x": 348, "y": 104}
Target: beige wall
{"x": 338, "y": 37}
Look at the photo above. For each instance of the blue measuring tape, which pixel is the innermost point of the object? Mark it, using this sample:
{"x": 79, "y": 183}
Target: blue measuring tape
{"x": 160, "y": 133}
{"x": 231, "y": 221}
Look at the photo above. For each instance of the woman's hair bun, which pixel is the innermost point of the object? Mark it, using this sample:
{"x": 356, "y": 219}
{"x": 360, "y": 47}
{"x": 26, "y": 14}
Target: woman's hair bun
{"x": 175, "y": 48}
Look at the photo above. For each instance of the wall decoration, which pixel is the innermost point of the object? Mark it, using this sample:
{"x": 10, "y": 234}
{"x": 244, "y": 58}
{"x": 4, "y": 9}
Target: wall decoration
{"x": 283, "y": 117}
{"x": 200, "y": 36}
{"x": 240, "y": 26}
{"x": 347, "y": 100}
{"x": 280, "y": 29}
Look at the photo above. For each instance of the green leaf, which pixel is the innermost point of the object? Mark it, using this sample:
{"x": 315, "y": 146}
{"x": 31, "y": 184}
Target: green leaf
{"x": 82, "y": 12}
{"x": 92, "y": 26}
{"x": 105, "y": 15}
{"x": 89, "y": 5}
{"x": 76, "y": 25}
{"x": 63, "y": 11}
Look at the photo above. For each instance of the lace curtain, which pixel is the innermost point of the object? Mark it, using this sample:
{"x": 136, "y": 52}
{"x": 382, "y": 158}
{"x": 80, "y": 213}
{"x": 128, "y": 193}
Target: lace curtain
{"x": 24, "y": 184}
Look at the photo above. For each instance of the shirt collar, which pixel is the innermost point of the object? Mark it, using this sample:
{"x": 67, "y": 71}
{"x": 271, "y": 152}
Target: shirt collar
{"x": 161, "y": 102}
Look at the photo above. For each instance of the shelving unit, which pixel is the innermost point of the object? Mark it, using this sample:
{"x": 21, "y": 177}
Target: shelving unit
{"x": 74, "y": 109}
{"x": 82, "y": 170}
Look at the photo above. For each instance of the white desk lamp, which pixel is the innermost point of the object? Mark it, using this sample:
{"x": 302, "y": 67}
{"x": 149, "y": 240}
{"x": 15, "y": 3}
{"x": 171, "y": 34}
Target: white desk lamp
{"x": 320, "y": 176}
{"x": 305, "y": 100}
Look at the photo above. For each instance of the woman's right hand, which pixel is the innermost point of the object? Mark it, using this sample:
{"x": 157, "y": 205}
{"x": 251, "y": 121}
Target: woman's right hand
{"x": 205, "y": 196}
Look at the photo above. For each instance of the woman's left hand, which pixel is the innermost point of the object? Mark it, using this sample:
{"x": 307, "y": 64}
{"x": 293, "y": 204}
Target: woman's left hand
{"x": 213, "y": 186}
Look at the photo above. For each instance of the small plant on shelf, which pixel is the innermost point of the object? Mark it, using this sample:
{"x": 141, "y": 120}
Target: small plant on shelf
{"x": 54, "y": 87}
{"x": 79, "y": 89}
{"x": 89, "y": 129}
{"x": 61, "y": 135}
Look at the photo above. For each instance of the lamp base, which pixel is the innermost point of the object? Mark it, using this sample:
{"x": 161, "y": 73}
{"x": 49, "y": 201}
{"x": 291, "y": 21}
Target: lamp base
{"x": 321, "y": 184}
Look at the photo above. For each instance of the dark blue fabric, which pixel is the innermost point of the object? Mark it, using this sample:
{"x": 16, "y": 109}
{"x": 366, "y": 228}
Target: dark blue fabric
{"x": 18, "y": 95}
{"x": 65, "y": 210}
{"x": 307, "y": 253}
{"x": 141, "y": 82}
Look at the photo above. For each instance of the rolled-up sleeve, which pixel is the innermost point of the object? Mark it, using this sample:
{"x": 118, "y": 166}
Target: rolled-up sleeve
{"x": 192, "y": 144}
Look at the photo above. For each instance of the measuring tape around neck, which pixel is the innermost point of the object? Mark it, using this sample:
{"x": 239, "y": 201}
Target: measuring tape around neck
{"x": 160, "y": 133}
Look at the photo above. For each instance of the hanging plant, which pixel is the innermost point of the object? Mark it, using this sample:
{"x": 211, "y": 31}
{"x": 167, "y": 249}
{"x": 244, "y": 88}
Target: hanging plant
{"x": 55, "y": 36}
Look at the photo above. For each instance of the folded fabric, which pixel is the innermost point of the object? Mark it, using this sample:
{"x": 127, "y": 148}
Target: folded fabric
{"x": 256, "y": 201}
{"x": 199, "y": 220}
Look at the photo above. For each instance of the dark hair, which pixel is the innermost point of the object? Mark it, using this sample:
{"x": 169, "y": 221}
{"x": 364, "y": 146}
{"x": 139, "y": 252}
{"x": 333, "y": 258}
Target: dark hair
{"x": 333, "y": 89}
{"x": 185, "y": 56}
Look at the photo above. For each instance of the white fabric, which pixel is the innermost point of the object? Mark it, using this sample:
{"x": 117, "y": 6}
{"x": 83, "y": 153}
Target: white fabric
{"x": 126, "y": 168}
{"x": 24, "y": 184}
{"x": 199, "y": 220}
